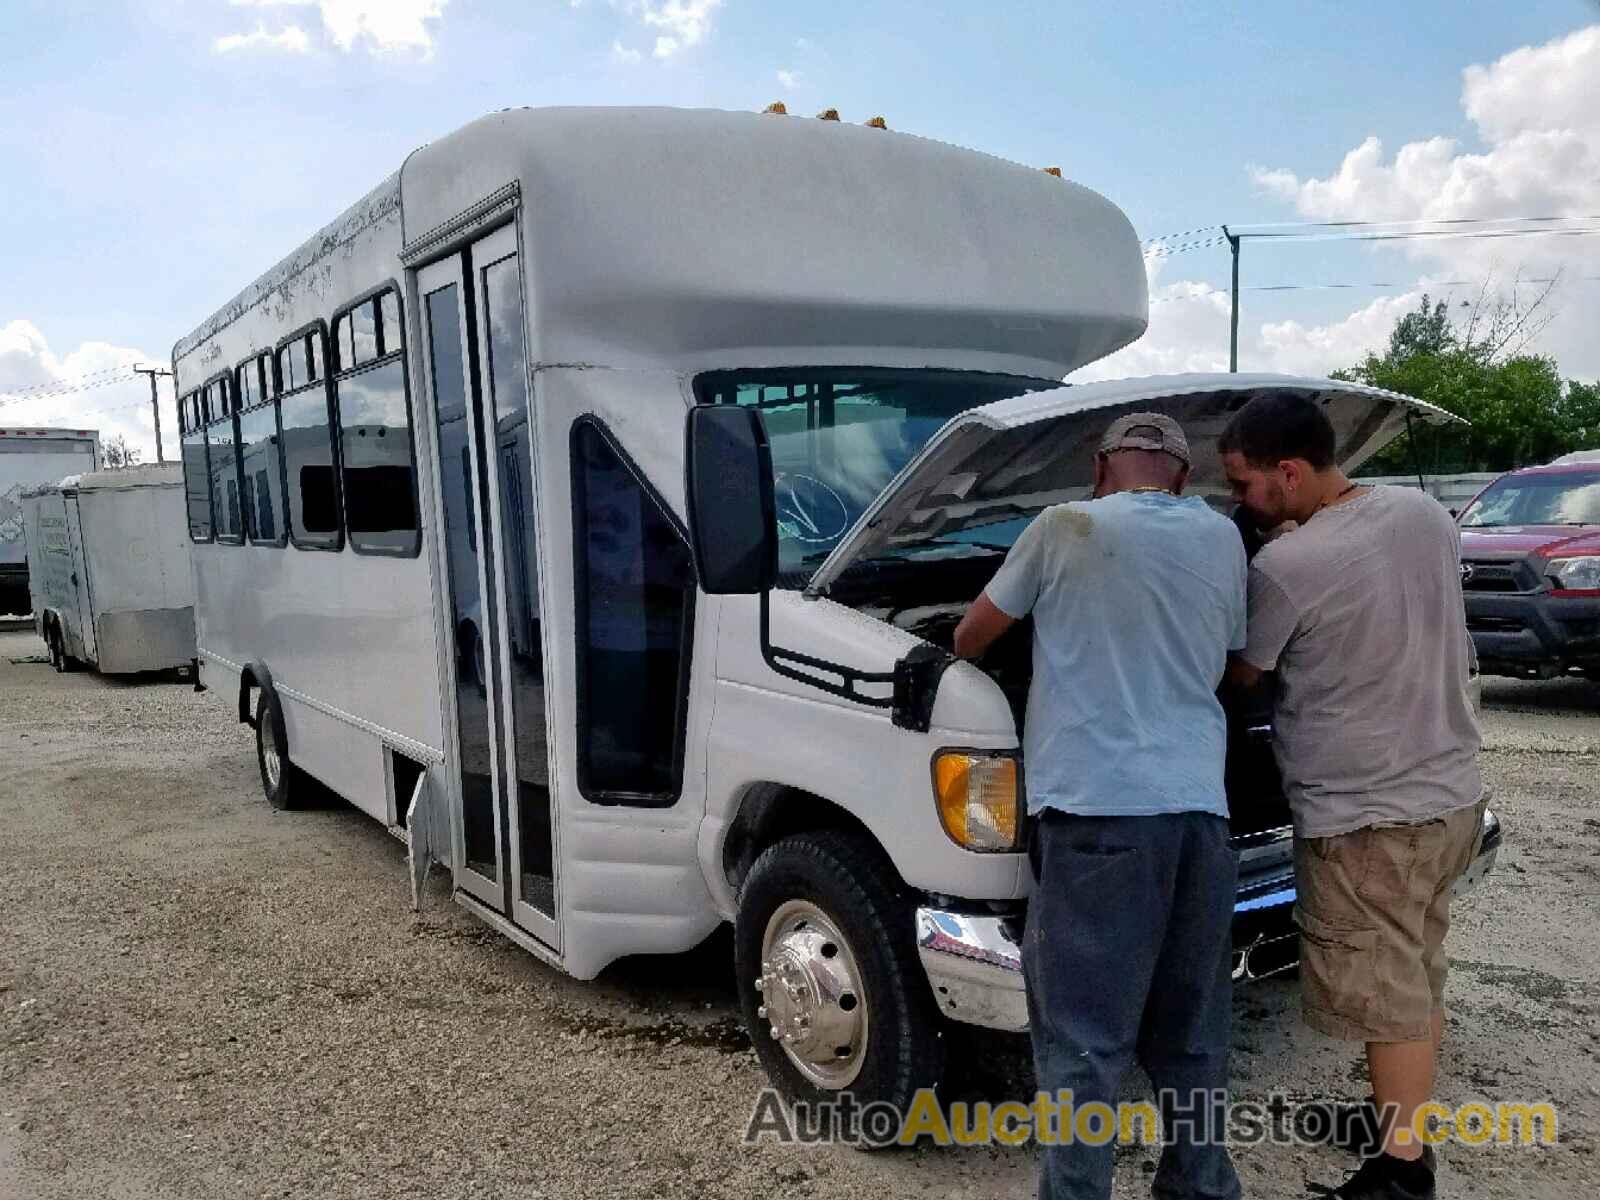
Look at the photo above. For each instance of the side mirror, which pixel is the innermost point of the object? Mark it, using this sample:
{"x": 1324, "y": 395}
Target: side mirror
{"x": 733, "y": 526}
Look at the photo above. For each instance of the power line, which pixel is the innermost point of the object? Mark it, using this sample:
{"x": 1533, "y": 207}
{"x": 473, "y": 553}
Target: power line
{"x": 1406, "y": 224}
{"x": 71, "y": 383}
{"x": 1381, "y": 286}
{"x": 1348, "y": 231}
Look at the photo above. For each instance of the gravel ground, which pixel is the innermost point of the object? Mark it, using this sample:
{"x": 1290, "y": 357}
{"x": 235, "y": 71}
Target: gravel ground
{"x": 201, "y": 997}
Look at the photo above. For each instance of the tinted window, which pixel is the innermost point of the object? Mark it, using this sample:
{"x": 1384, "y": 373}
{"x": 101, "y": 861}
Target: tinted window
{"x": 292, "y": 366}
{"x": 635, "y": 613}
{"x": 389, "y": 323}
{"x": 196, "y": 474}
{"x": 307, "y": 447}
{"x": 222, "y": 452}
{"x": 262, "y": 467}
{"x": 375, "y": 450}
{"x": 364, "y": 334}
{"x": 375, "y": 444}
{"x": 245, "y": 385}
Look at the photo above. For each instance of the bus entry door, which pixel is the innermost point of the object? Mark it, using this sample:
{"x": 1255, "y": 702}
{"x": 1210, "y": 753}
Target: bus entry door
{"x": 501, "y": 816}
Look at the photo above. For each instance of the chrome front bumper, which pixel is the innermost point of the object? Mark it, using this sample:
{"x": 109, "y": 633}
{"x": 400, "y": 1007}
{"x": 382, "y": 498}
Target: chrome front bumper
{"x": 975, "y": 966}
{"x": 974, "y": 961}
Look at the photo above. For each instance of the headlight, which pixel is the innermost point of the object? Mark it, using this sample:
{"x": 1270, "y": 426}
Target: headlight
{"x": 978, "y": 799}
{"x": 1576, "y": 574}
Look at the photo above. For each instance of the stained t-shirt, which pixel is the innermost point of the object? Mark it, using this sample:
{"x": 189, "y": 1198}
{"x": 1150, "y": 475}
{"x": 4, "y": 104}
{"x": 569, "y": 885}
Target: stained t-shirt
{"x": 1360, "y": 612}
{"x": 1136, "y": 599}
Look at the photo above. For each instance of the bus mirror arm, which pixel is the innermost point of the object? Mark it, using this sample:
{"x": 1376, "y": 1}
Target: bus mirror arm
{"x": 914, "y": 680}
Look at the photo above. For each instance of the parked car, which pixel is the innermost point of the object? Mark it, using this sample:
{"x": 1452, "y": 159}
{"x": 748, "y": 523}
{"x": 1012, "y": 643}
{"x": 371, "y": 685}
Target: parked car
{"x": 1530, "y": 571}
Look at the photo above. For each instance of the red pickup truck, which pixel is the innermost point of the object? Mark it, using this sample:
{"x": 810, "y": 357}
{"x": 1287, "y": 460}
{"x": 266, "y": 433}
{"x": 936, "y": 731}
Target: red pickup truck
{"x": 1530, "y": 570}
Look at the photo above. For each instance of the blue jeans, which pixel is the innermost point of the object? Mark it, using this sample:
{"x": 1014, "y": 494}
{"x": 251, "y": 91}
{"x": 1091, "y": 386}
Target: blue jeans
{"x": 1127, "y": 957}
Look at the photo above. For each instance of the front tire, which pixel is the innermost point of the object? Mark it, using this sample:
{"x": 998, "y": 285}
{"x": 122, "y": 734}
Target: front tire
{"x": 832, "y": 992}
{"x": 278, "y": 777}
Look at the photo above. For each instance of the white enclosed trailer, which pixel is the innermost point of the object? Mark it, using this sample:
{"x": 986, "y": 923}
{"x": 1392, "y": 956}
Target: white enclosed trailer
{"x": 438, "y": 464}
{"x": 30, "y": 458}
{"x": 109, "y": 570}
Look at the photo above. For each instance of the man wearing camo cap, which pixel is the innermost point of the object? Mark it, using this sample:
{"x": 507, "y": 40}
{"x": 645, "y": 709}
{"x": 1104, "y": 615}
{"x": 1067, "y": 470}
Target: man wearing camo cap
{"x": 1137, "y": 596}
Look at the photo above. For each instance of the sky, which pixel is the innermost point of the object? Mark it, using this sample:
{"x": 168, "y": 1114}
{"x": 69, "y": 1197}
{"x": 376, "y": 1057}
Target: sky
{"x": 158, "y": 155}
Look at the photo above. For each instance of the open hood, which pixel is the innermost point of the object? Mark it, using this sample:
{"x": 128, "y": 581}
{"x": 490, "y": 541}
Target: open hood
{"x": 1015, "y": 457}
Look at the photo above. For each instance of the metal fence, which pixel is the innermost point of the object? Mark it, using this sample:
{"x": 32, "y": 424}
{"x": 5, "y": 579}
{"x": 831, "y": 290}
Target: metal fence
{"x": 1452, "y": 491}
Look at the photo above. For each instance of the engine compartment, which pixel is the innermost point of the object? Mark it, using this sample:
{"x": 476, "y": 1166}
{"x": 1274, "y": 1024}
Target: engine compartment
{"x": 928, "y": 598}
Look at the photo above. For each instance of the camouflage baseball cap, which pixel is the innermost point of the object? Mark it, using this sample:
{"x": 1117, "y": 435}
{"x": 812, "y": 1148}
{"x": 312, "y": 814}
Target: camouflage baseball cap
{"x": 1146, "y": 431}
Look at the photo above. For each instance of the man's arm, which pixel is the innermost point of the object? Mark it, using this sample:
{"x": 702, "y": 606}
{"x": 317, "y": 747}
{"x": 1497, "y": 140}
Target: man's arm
{"x": 980, "y": 627}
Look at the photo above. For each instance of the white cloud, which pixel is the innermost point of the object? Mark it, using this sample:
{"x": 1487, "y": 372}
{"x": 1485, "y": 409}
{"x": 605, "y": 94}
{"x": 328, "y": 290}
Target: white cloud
{"x": 291, "y": 38}
{"x": 682, "y": 23}
{"x": 28, "y": 367}
{"x": 382, "y": 26}
{"x": 1536, "y": 111}
{"x": 1189, "y": 332}
{"x": 789, "y": 79}
{"x": 623, "y": 54}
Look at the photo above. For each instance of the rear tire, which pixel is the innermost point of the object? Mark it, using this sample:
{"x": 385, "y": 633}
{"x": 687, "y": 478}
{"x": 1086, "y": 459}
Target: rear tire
{"x": 278, "y": 777}
{"x": 825, "y": 954}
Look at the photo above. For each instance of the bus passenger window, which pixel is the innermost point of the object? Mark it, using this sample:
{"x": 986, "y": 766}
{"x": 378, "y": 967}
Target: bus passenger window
{"x": 196, "y": 472}
{"x": 222, "y": 450}
{"x": 364, "y": 335}
{"x": 375, "y": 445}
{"x": 262, "y": 464}
{"x": 311, "y": 508}
{"x": 635, "y": 619}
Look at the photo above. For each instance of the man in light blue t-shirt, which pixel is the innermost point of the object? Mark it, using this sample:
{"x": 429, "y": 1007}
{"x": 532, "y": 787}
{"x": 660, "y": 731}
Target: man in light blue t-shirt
{"x": 1137, "y": 596}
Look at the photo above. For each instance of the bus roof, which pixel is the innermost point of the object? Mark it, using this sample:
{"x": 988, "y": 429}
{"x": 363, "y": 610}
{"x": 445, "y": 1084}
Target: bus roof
{"x": 697, "y": 238}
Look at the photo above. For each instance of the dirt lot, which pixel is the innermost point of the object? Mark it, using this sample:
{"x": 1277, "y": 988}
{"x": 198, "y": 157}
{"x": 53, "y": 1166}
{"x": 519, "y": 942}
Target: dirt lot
{"x": 201, "y": 997}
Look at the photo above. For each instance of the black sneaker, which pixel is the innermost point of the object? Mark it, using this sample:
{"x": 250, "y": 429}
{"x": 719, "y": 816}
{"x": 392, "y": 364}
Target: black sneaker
{"x": 1386, "y": 1178}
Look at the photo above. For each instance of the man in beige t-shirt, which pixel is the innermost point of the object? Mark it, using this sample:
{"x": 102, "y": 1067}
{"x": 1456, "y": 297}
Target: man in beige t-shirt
{"x": 1357, "y": 607}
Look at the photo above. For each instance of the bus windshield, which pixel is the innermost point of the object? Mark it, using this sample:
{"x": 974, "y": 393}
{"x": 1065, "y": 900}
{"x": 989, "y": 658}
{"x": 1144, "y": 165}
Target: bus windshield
{"x": 839, "y": 435}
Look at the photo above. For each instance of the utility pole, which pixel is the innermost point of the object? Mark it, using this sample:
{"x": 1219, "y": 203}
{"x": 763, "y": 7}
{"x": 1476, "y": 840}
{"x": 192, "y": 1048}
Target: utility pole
{"x": 1233, "y": 321}
{"x": 157, "y": 372}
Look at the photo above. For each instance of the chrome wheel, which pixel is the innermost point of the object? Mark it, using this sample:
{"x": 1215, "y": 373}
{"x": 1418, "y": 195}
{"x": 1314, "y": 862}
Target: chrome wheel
{"x": 271, "y": 757}
{"x": 812, "y": 996}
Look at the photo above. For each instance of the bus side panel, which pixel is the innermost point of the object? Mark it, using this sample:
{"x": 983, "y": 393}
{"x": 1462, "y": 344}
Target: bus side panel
{"x": 346, "y": 759}
{"x": 352, "y": 632}
{"x": 630, "y": 876}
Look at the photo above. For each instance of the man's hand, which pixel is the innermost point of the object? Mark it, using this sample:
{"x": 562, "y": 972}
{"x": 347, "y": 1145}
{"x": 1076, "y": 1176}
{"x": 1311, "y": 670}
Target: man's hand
{"x": 980, "y": 627}
{"x": 1241, "y": 674}
{"x": 1277, "y": 531}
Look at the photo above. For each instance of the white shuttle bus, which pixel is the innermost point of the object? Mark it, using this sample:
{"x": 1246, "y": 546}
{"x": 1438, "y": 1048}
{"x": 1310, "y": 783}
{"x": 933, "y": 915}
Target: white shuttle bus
{"x": 592, "y": 503}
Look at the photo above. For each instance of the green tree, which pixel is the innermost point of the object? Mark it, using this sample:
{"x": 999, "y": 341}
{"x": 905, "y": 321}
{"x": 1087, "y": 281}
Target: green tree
{"x": 1519, "y": 409}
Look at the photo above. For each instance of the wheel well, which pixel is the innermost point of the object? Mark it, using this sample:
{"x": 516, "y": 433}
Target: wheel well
{"x": 770, "y": 811}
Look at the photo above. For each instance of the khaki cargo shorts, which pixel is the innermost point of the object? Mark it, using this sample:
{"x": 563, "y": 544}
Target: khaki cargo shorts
{"x": 1373, "y": 910}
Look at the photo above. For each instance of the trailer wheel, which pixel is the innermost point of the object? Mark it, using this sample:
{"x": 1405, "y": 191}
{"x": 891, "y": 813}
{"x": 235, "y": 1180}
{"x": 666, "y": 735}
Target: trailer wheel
{"x": 832, "y": 992}
{"x": 59, "y": 658}
{"x": 272, "y": 752}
